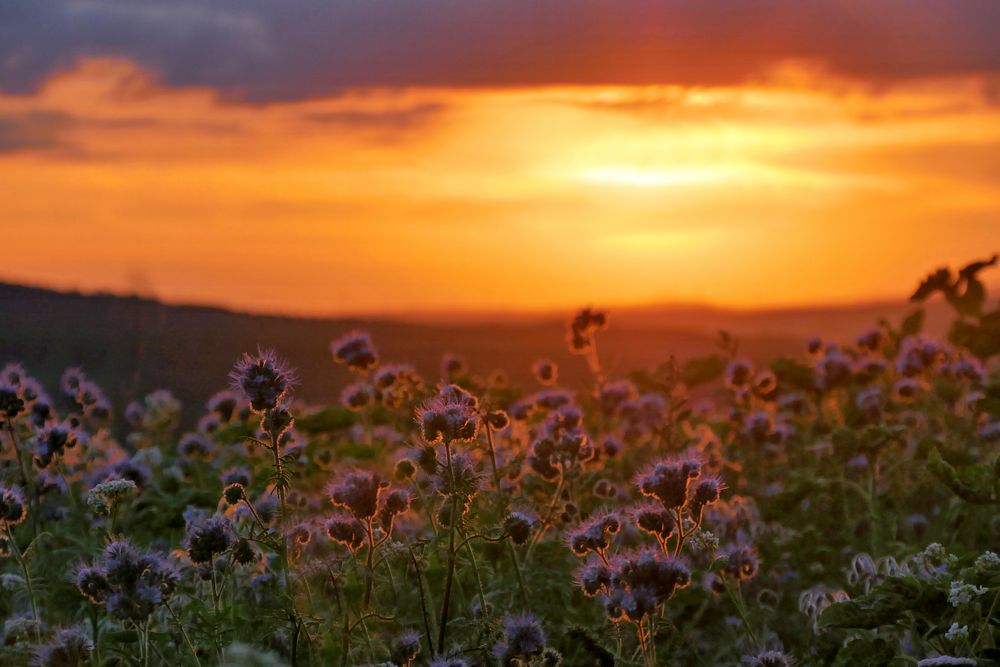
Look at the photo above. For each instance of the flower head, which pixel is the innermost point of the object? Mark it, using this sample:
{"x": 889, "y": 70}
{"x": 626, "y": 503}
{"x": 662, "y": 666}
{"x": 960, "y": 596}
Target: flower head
{"x": 355, "y": 350}
{"x": 263, "y": 378}
{"x": 523, "y": 638}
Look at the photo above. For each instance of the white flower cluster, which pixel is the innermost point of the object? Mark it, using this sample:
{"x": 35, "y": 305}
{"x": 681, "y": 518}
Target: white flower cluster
{"x": 103, "y": 498}
{"x": 961, "y": 593}
{"x": 987, "y": 561}
{"x": 957, "y": 633}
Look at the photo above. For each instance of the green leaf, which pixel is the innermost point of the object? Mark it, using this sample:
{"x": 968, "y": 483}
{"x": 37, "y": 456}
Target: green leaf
{"x": 793, "y": 373}
{"x": 974, "y": 483}
{"x": 123, "y": 636}
{"x": 865, "y": 652}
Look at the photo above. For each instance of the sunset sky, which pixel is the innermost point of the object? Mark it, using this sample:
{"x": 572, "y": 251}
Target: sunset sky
{"x": 377, "y": 156}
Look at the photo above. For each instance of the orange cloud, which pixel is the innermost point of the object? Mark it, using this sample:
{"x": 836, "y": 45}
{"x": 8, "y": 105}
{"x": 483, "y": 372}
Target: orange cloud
{"x": 802, "y": 188}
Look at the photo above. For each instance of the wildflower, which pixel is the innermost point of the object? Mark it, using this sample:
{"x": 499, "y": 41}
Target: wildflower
{"x": 13, "y": 508}
{"x": 518, "y": 525}
{"x": 207, "y": 538}
{"x": 594, "y": 534}
{"x": 263, "y": 378}
{"x": 11, "y": 403}
{"x": 738, "y": 373}
{"x": 905, "y": 390}
{"x": 162, "y": 411}
{"x": 392, "y": 503}
{"x": 546, "y": 372}
{"x": 582, "y": 328}
{"x": 234, "y": 493}
{"x": 449, "y": 417}
{"x": 871, "y": 339}
{"x": 447, "y": 661}
{"x": 355, "y": 350}
{"x": 356, "y": 397}
{"x": 345, "y": 529}
{"x": 453, "y": 365}
{"x": 593, "y": 577}
{"x": 234, "y": 475}
{"x": 869, "y": 402}
{"x": 654, "y": 519}
{"x": 758, "y": 425}
{"x": 195, "y": 446}
{"x": 92, "y": 582}
{"x": 498, "y": 420}
{"x": 667, "y": 480}
{"x": 615, "y": 394}
{"x": 642, "y": 580}
{"x": 833, "y": 369}
{"x": 741, "y": 561}
{"x": 961, "y": 593}
{"x": 404, "y": 648}
{"x": 769, "y": 659}
{"x": 358, "y": 492}
{"x": 765, "y": 382}
{"x": 69, "y": 648}
{"x": 957, "y": 633}
{"x": 987, "y": 561}
{"x": 224, "y": 403}
{"x": 104, "y": 498}
{"x": 243, "y": 552}
{"x": 523, "y": 639}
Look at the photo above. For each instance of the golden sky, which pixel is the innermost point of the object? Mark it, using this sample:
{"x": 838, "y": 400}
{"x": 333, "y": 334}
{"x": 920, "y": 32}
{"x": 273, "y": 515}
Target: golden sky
{"x": 797, "y": 186}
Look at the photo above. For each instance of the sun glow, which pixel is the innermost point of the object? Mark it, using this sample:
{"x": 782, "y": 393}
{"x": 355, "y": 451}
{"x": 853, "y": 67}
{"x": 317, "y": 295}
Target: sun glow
{"x": 529, "y": 198}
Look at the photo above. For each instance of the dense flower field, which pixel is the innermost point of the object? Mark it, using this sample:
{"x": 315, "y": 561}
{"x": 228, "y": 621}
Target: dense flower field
{"x": 835, "y": 507}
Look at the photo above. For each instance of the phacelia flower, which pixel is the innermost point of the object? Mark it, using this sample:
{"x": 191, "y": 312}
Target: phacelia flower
{"x": 346, "y": 530}
{"x": 449, "y": 417}
{"x": 594, "y": 534}
{"x": 358, "y": 491}
{"x": 208, "y": 538}
{"x": 355, "y": 350}
{"x": 70, "y": 647}
{"x": 13, "y": 508}
{"x": 263, "y": 378}
{"x": 546, "y": 372}
{"x": 518, "y": 525}
{"x": 523, "y": 638}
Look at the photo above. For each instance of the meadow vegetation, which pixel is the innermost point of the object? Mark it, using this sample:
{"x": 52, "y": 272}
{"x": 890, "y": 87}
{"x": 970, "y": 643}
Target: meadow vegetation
{"x": 832, "y": 507}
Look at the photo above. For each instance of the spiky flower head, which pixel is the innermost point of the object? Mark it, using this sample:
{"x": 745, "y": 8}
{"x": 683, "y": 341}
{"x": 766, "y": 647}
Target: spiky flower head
{"x": 741, "y": 561}
{"x": 668, "y": 480}
{"x": 70, "y": 647}
{"x": 263, "y": 378}
{"x": 13, "y": 508}
{"x": 523, "y": 639}
{"x": 770, "y": 658}
{"x": 358, "y": 491}
{"x": 346, "y": 530}
{"x": 594, "y": 534}
{"x": 207, "y": 538}
{"x": 404, "y": 648}
{"x": 518, "y": 525}
{"x": 451, "y": 416}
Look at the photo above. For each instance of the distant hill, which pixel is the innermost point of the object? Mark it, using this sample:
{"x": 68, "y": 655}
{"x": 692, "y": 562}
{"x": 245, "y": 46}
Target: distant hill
{"x": 132, "y": 345}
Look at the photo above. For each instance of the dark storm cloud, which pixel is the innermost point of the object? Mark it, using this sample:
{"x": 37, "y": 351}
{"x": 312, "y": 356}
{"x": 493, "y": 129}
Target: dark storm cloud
{"x": 262, "y": 50}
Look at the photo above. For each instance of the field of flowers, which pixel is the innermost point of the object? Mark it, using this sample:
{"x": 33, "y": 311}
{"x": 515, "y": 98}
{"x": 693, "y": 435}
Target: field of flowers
{"x": 834, "y": 507}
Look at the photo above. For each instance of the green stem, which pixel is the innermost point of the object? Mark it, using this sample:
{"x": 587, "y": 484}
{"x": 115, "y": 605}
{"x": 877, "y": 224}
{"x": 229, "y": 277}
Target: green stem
{"x": 23, "y": 562}
{"x": 452, "y": 520}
